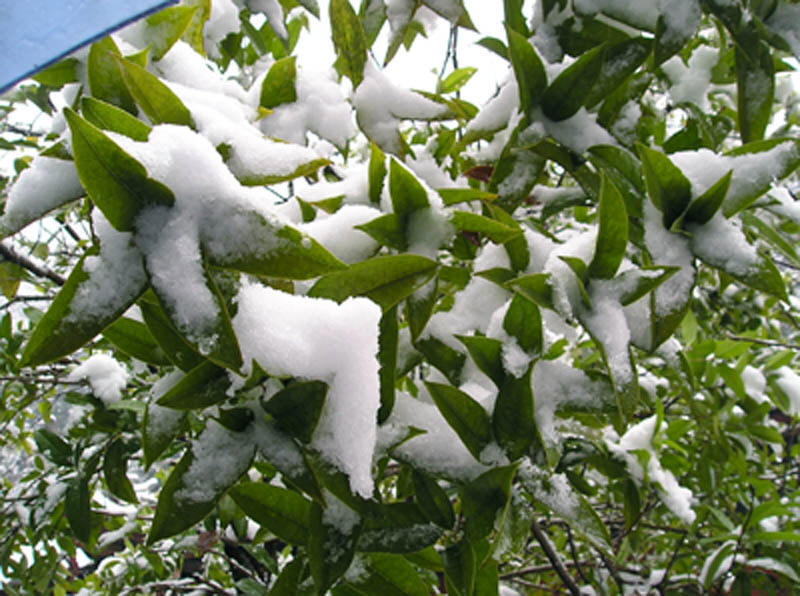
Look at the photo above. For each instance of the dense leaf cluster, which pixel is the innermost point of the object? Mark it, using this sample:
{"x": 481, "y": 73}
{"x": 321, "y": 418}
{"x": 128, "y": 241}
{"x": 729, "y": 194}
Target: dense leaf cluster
{"x": 541, "y": 345}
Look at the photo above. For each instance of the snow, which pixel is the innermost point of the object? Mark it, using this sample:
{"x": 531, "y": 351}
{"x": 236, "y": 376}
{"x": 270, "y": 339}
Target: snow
{"x": 117, "y": 272}
{"x": 690, "y": 83}
{"x": 440, "y": 451}
{"x": 678, "y": 499}
{"x": 314, "y": 338}
{"x": 789, "y": 382}
{"x": 224, "y": 19}
{"x": 751, "y": 171}
{"x": 106, "y": 376}
{"x": 274, "y": 13}
{"x": 320, "y": 108}
{"x": 681, "y": 18}
{"x": 186, "y": 67}
{"x": 338, "y": 234}
{"x": 381, "y": 106}
{"x": 46, "y": 184}
{"x": 643, "y": 13}
{"x": 722, "y": 243}
{"x": 498, "y": 111}
{"x": 785, "y": 21}
{"x": 219, "y": 458}
{"x": 578, "y": 132}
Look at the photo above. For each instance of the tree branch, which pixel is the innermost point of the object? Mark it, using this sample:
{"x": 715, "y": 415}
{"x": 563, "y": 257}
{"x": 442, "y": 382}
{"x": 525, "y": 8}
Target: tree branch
{"x": 552, "y": 556}
{"x": 24, "y": 262}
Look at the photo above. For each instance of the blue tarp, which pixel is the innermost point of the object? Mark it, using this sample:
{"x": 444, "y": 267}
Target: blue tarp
{"x": 36, "y": 33}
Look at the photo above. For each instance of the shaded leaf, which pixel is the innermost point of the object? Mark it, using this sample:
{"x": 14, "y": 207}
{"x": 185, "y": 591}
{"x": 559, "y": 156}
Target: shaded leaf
{"x": 283, "y": 512}
{"x": 135, "y": 339}
{"x": 612, "y": 234}
{"x": 569, "y": 91}
{"x": 278, "y": 86}
{"x": 464, "y": 415}
{"x": 114, "y": 472}
{"x": 297, "y": 408}
{"x": 109, "y": 117}
{"x": 203, "y": 386}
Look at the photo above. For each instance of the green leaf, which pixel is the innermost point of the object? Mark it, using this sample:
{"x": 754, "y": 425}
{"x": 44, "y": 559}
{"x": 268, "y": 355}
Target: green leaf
{"x": 406, "y": 192}
{"x": 513, "y": 417}
{"x": 569, "y": 91}
{"x": 612, "y": 234}
{"x": 260, "y": 178}
{"x": 311, "y": 6}
{"x": 464, "y": 415}
{"x": 167, "y": 26}
{"x": 397, "y": 528}
{"x": 389, "y": 575}
{"x": 755, "y": 87}
{"x": 388, "y": 230}
{"x": 535, "y": 287}
{"x": 387, "y": 358}
{"x": 135, "y": 339}
{"x": 667, "y": 187}
{"x": 460, "y": 568}
{"x": 155, "y": 99}
{"x": 57, "y": 449}
{"x": 376, "y": 172}
{"x": 385, "y": 280}
{"x": 639, "y": 282}
{"x": 283, "y": 512}
{"x": 523, "y": 322}
{"x": 703, "y": 208}
{"x": 297, "y": 408}
{"x": 63, "y": 330}
{"x": 215, "y": 339}
{"x": 160, "y": 426}
{"x": 528, "y": 70}
{"x": 117, "y": 184}
{"x": 114, "y": 472}
{"x": 194, "y": 32}
{"x": 59, "y": 74}
{"x": 181, "y": 505}
{"x": 105, "y": 79}
{"x": 349, "y": 40}
{"x": 483, "y": 498}
{"x": 449, "y": 361}
{"x": 110, "y": 117}
{"x": 512, "y": 10}
{"x": 455, "y": 80}
{"x": 488, "y": 356}
{"x": 288, "y": 580}
{"x": 621, "y": 60}
{"x": 278, "y": 86}
{"x": 78, "y": 508}
{"x": 11, "y": 276}
{"x": 330, "y": 551}
{"x": 179, "y": 351}
{"x": 624, "y": 170}
{"x": 275, "y": 250}
{"x": 494, "y": 45}
{"x": 453, "y": 196}
{"x": 433, "y": 500}
{"x": 672, "y": 34}
{"x": 203, "y": 386}
{"x": 496, "y": 231}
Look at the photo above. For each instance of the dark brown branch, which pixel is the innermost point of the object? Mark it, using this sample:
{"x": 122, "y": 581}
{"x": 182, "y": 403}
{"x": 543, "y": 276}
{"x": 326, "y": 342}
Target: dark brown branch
{"x": 552, "y": 556}
{"x": 26, "y": 263}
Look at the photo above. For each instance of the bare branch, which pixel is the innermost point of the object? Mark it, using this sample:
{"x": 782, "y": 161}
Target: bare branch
{"x": 24, "y": 262}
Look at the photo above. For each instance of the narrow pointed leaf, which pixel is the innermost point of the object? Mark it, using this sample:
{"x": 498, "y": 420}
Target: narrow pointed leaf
{"x": 639, "y": 282}
{"x": 109, "y": 117}
{"x": 77, "y": 507}
{"x": 488, "y": 356}
{"x": 568, "y": 92}
{"x": 512, "y": 419}
{"x": 453, "y": 196}
{"x": 105, "y": 79}
{"x": 135, "y": 339}
{"x": 406, "y": 192}
{"x": 387, "y": 358}
{"x": 523, "y": 322}
{"x": 620, "y": 61}
{"x": 482, "y": 498}
{"x": 449, "y": 361}
{"x": 460, "y": 567}
{"x": 528, "y": 70}
{"x": 278, "y": 86}
{"x": 755, "y": 86}
{"x": 377, "y": 173}
{"x": 114, "y": 472}
{"x": 667, "y": 187}
{"x": 115, "y": 181}
{"x": 389, "y": 230}
{"x": 349, "y": 40}
{"x": 155, "y": 99}
{"x": 167, "y": 26}
{"x": 535, "y": 287}
{"x": 466, "y": 417}
{"x": 203, "y": 386}
{"x": 385, "y": 280}
{"x": 612, "y": 234}
{"x": 179, "y": 351}
{"x": 330, "y": 551}
{"x": 283, "y": 512}
{"x": 491, "y": 228}
{"x": 433, "y": 500}
{"x": 703, "y": 208}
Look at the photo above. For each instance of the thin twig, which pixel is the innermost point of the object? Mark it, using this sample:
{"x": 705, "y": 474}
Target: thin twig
{"x": 552, "y": 556}
{"x": 660, "y": 585}
{"x": 26, "y": 263}
{"x": 773, "y": 343}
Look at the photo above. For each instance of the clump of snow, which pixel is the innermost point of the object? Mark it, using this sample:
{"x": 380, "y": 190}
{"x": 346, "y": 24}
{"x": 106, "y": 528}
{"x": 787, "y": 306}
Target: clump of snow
{"x": 690, "y": 82}
{"x": 579, "y": 132}
{"x": 224, "y": 19}
{"x": 721, "y": 243}
{"x": 566, "y": 292}
{"x": 220, "y": 457}
{"x": 498, "y": 110}
{"x": 681, "y": 18}
{"x": 186, "y": 67}
{"x": 320, "y": 108}
{"x": 274, "y": 13}
{"x": 643, "y": 13}
{"x": 338, "y": 234}
{"x": 44, "y": 185}
{"x": 751, "y": 171}
{"x": 439, "y": 450}
{"x": 381, "y": 106}
{"x": 353, "y": 187}
{"x": 106, "y": 376}
{"x": 639, "y": 437}
{"x": 318, "y": 339}
{"x": 117, "y": 272}
{"x": 789, "y": 382}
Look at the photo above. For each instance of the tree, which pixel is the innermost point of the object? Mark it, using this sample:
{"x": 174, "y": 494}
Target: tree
{"x": 545, "y": 344}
